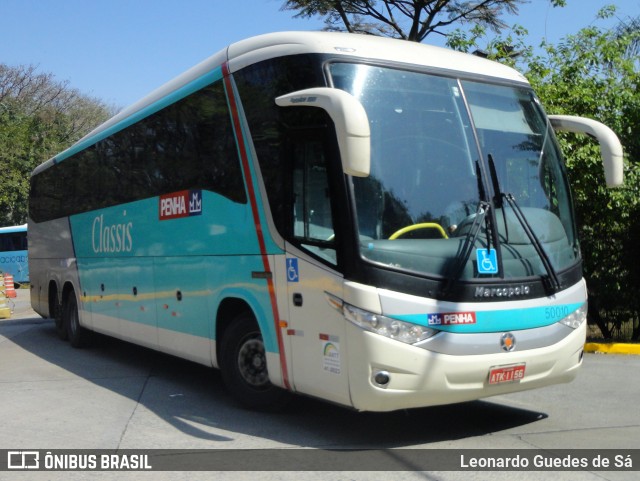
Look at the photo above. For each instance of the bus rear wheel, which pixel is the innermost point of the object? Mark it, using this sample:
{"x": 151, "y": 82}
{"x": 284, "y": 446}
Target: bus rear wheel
{"x": 78, "y": 336}
{"x": 61, "y": 328}
{"x": 244, "y": 366}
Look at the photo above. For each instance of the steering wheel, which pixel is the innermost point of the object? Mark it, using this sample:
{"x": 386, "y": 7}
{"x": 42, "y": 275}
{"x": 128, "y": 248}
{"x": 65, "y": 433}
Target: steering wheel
{"x": 422, "y": 225}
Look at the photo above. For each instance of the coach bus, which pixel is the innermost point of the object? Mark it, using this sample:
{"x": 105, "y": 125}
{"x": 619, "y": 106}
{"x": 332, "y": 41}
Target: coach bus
{"x": 13, "y": 252}
{"x": 377, "y": 223}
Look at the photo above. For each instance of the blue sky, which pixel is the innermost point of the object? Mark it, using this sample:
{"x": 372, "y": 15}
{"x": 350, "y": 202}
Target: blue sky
{"x": 120, "y": 50}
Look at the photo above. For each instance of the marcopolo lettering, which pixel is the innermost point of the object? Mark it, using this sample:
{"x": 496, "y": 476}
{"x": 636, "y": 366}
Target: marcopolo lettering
{"x": 511, "y": 291}
{"x": 180, "y": 204}
{"x": 299, "y": 100}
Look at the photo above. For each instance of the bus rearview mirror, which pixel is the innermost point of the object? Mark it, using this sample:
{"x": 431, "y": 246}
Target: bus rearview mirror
{"x": 610, "y": 147}
{"x": 350, "y": 120}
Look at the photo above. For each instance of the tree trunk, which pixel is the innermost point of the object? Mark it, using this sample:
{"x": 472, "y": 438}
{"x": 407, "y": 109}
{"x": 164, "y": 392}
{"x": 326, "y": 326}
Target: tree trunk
{"x": 594, "y": 315}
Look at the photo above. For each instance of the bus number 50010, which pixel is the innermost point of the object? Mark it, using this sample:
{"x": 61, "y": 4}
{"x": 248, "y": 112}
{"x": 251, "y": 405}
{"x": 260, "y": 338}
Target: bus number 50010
{"x": 556, "y": 312}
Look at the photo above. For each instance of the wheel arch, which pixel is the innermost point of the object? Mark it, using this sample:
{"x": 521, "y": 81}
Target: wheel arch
{"x": 66, "y": 289}
{"x": 228, "y": 310}
{"x": 70, "y": 289}
{"x": 54, "y": 299}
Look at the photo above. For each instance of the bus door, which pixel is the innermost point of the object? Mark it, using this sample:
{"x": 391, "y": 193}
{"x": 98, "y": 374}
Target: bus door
{"x": 315, "y": 330}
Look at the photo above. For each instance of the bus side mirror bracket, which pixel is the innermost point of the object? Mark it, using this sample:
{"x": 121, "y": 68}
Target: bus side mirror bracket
{"x": 610, "y": 147}
{"x": 350, "y": 119}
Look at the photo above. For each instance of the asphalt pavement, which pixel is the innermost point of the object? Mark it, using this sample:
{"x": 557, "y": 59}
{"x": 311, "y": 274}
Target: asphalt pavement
{"x": 116, "y": 396}
{"x": 20, "y": 306}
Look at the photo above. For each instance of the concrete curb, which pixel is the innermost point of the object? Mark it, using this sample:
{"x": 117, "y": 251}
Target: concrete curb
{"x": 612, "y": 348}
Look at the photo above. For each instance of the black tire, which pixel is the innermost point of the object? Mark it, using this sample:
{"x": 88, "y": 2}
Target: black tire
{"x": 61, "y": 328}
{"x": 78, "y": 335}
{"x": 244, "y": 367}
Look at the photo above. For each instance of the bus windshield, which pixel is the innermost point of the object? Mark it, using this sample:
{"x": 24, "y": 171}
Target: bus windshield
{"x": 446, "y": 153}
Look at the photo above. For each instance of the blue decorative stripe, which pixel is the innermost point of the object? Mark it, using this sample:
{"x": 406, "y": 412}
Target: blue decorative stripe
{"x": 131, "y": 265}
{"x": 498, "y": 320}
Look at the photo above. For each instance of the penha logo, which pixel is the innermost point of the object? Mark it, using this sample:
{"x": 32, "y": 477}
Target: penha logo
{"x": 180, "y": 204}
{"x": 451, "y": 318}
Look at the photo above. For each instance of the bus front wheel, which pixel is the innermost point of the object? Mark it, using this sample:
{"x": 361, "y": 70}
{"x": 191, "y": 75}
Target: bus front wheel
{"x": 244, "y": 366}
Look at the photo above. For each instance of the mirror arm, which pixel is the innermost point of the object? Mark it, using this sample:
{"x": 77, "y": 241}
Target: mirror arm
{"x": 610, "y": 147}
{"x": 350, "y": 120}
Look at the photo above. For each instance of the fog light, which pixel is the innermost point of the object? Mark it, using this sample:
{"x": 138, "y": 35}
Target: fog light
{"x": 381, "y": 378}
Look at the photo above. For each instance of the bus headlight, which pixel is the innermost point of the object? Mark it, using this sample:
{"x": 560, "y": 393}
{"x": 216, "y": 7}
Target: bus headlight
{"x": 576, "y": 318}
{"x": 392, "y": 328}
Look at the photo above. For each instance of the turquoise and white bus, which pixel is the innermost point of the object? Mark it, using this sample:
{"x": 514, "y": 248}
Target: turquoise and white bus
{"x": 14, "y": 252}
{"x": 377, "y": 223}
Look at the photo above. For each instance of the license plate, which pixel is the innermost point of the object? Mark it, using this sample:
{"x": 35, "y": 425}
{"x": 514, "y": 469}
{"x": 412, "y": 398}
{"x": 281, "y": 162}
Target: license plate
{"x": 502, "y": 374}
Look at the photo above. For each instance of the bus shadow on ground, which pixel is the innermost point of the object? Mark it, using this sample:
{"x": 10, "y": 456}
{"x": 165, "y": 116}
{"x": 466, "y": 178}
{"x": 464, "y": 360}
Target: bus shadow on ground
{"x": 192, "y": 399}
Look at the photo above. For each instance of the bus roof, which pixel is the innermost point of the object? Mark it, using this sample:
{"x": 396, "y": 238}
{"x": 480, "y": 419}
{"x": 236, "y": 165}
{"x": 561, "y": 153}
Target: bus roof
{"x": 272, "y": 45}
{"x": 13, "y": 228}
{"x": 255, "y": 49}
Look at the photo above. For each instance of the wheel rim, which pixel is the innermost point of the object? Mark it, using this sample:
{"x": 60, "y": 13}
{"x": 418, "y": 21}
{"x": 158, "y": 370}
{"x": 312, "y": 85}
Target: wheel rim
{"x": 252, "y": 363}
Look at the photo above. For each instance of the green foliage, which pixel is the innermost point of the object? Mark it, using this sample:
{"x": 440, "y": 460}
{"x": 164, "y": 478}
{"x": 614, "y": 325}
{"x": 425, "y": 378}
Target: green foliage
{"x": 39, "y": 117}
{"x": 466, "y": 41}
{"x": 589, "y": 74}
{"x": 596, "y": 74}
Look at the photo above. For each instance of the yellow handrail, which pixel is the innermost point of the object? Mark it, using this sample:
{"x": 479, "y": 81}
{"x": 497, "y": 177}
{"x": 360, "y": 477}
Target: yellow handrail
{"x": 424, "y": 225}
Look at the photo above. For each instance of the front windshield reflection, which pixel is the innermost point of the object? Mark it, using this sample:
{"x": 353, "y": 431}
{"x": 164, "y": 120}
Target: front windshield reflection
{"x": 415, "y": 210}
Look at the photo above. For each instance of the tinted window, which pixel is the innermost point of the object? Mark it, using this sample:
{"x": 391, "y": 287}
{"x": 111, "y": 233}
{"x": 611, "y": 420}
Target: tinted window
{"x": 16, "y": 241}
{"x": 435, "y": 142}
{"x": 189, "y": 144}
{"x": 270, "y": 125}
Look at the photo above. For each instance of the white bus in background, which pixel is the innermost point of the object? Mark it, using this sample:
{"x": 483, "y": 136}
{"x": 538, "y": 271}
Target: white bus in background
{"x": 377, "y": 223}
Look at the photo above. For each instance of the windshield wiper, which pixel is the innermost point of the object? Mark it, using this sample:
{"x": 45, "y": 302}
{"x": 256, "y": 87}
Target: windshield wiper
{"x": 522, "y": 219}
{"x": 472, "y": 235}
{"x": 469, "y": 244}
{"x": 535, "y": 241}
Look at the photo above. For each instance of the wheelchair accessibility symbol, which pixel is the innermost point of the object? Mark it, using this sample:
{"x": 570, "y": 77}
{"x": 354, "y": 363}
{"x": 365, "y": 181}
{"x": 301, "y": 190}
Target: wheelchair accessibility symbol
{"x": 487, "y": 261}
{"x": 292, "y": 270}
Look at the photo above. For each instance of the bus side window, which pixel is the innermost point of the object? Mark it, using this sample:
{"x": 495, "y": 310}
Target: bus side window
{"x": 312, "y": 219}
